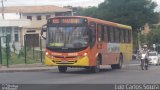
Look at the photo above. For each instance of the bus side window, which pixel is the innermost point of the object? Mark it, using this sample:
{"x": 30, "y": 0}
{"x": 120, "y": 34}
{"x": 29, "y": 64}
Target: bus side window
{"x": 92, "y": 33}
{"x": 100, "y": 33}
{"x": 112, "y": 34}
{"x": 105, "y": 35}
{"x": 126, "y": 37}
{"x": 99, "y": 29}
{"x": 109, "y": 34}
{"x": 122, "y": 35}
{"x": 119, "y": 30}
{"x": 117, "y": 39}
{"x": 129, "y": 36}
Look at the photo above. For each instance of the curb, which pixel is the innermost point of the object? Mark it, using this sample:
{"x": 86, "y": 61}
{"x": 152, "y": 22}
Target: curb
{"x": 32, "y": 69}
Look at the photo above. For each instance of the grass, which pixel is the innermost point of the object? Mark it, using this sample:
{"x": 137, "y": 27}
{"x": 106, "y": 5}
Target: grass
{"x": 32, "y": 56}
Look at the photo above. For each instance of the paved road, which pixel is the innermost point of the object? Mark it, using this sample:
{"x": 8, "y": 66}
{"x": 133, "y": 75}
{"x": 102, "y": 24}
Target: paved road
{"x": 129, "y": 74}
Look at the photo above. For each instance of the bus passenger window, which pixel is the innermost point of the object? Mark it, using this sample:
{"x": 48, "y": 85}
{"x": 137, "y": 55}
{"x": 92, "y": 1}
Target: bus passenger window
{"x": 102, "y": 33}
{"x": 109, "y": 34}
{"x": 122, "y": 35}
{"x": 129, "y": 36}
{"x": 92, "y": 34}
{"x": 117, "y": 35}
{"x": 105, "y": 34}
{"x": 126, "y": 36}
{"x": 99, "y": 33}
{"x": 112, "y": 34}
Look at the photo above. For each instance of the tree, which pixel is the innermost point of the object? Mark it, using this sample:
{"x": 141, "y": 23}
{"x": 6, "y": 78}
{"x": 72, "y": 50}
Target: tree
{"x": 90, "y": 11}
{"x": 153, "y": 37}
{"x": 130, "y": 12}
{"x": 135, "y": 13}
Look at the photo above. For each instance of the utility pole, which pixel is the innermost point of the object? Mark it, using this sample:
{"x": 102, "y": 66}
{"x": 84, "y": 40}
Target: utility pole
{"x": 139, "y": 38}
{"x": 2, "y": 9}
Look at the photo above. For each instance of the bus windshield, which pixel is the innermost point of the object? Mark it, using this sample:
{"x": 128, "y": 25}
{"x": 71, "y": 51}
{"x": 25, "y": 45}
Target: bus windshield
{"x": 67, "y": 37}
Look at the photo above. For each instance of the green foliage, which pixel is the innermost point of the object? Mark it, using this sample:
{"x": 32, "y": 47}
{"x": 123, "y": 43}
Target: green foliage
{"x": 130, "y": 12}
{"x": 154, "y": 36}
{"x": 135, "y": 13}
{"x": 90, "y": 11}
{"x": 143, "y": 39}
{"x": 22, "y": 51}
{"x": 20, "y": 58}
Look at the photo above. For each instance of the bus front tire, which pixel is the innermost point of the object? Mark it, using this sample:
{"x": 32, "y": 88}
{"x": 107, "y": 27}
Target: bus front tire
{"x": 62, "y": 69}
{"x": 96, "y": 69}
{"x": 119, "y": 65}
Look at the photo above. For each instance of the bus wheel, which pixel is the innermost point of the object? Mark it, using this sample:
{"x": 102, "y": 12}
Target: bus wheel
{"x": 87, "y": 68}
{"x": 96, "y": 69}
{"x": 119, "y": 65}
{"x": 62, "y": 69}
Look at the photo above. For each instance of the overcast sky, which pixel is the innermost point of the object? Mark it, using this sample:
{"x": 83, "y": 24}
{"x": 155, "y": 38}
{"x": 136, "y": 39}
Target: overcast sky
{"x": 83, "y": 3}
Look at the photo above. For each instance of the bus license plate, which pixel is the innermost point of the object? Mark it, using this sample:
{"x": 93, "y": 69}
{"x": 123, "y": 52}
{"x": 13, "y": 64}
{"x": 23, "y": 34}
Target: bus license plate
{"x": 64, "y": 61}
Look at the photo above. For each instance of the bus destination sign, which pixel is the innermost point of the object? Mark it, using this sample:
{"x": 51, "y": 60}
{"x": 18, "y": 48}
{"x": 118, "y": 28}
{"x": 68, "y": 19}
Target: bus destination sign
{"x": 69, "y": 21}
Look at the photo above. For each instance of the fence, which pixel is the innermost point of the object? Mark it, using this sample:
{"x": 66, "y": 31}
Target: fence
{"x": 31, "y": 52}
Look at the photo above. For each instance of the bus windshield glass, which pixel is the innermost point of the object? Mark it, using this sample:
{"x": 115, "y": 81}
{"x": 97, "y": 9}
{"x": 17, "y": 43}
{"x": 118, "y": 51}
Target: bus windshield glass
{"x": 67, "y": 37}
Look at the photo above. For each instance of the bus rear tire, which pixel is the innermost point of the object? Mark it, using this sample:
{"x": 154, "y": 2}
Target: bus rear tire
{"x": 119, "y": 65}
{"x": 62, "y": 69}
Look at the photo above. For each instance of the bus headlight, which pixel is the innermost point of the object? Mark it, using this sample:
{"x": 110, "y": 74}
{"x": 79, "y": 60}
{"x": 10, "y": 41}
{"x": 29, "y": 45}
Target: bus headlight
{"x": 85, "y": 54}
{"x": 47, "y": 53}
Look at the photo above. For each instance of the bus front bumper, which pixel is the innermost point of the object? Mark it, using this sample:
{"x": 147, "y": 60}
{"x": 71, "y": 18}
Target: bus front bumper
{"x": 84, "y": 61}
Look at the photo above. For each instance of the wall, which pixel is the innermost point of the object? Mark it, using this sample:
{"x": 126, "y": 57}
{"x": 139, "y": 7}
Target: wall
{"x": 10, "y": 16}
{"x": 12, "y": 31}
{"x": 37, "y": 23}
{"x": 11, "y": 27}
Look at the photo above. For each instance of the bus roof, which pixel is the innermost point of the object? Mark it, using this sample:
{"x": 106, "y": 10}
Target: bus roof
{"x": 100, "y": 21}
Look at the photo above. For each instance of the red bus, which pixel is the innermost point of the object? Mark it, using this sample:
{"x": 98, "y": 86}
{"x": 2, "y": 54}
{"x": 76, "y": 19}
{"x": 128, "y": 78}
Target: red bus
{"x": 79, "y": 41}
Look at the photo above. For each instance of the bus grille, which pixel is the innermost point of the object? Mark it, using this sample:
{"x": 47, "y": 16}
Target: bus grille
{"x": 65, "y": 57}
{"x": 65, "y": 62}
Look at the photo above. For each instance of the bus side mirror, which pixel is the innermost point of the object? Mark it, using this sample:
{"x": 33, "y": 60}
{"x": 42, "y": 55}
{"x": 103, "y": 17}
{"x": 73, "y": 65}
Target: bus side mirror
{"x": 44, "y": 29}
